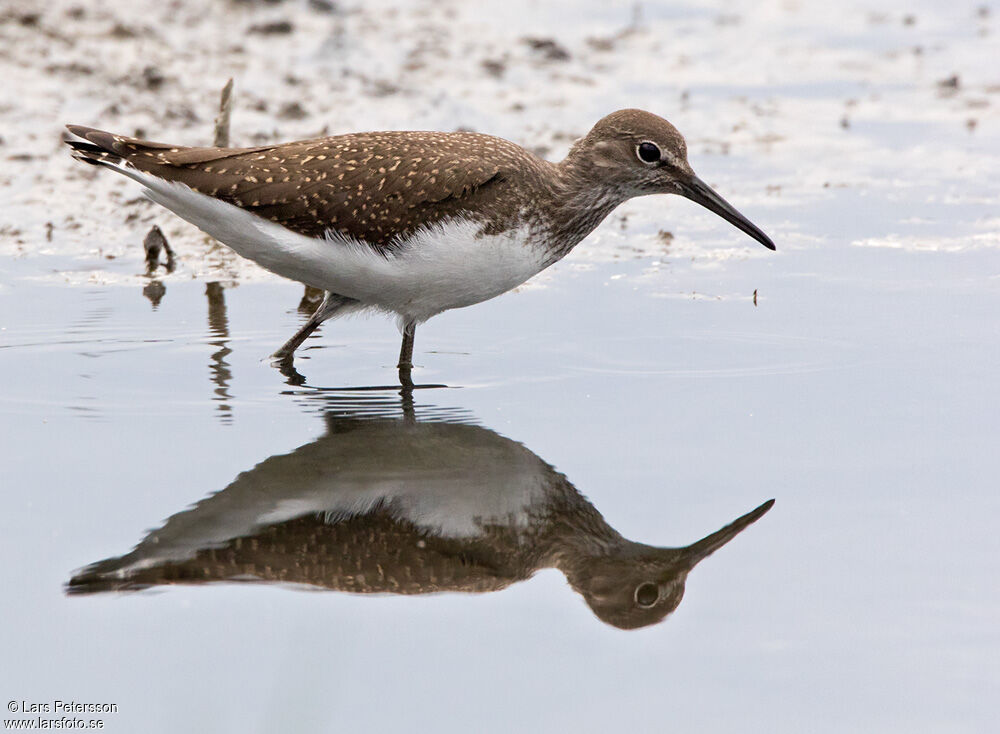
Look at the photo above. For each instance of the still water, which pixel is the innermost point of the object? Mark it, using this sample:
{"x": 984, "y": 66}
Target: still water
{"x": 606, "y": 410}
{"x": 210, "y": 545}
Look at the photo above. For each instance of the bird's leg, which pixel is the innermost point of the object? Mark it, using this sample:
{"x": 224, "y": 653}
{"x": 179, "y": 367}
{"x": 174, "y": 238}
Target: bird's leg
{"x": 331, "y": 304}
{"x": 406, "y": 354}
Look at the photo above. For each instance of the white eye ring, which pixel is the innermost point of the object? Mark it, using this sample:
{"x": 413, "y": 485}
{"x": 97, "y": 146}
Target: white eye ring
{"x": 648, "y": 152}
{"x": 641, "y": 595}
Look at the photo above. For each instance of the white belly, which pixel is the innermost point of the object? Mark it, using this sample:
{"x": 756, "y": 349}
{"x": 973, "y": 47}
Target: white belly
{"x": 444, "y": 266}
{"x": 447, "y": 265}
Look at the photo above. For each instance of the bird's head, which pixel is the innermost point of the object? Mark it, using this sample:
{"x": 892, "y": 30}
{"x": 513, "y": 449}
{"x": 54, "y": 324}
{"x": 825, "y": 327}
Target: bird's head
{"x": 636, "y": 585}
{"x": 639, "y": 153}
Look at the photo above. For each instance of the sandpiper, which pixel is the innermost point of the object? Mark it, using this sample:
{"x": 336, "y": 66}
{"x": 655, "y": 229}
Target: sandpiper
{"x": 412, "y": 223}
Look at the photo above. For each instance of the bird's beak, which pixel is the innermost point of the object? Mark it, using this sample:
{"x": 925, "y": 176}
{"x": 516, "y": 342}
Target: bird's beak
{"x": 705, "y": 547}
{"x": 697, "y": 190}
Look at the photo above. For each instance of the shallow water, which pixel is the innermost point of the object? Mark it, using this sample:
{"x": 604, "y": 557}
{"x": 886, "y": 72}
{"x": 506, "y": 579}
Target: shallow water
{"x": 868, "y": 413}
{"x": 669, "y": 383}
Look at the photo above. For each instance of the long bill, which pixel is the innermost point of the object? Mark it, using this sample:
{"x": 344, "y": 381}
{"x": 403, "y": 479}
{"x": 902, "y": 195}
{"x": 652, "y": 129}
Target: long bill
{"x": 698, "y": 191}
{"x": 708, "y": 545}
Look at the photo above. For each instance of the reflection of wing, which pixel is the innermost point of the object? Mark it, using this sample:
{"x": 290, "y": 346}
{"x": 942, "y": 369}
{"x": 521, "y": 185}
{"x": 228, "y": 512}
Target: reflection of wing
{"x": 371, "y": 553}
{"x": 445, "y": 484}
{"x": 369, "y": 186}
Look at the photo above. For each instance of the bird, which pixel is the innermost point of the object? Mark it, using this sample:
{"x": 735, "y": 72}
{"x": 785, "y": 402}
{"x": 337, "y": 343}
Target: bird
{"x": 412, "y": 223}
{"x": 476, "y": 513}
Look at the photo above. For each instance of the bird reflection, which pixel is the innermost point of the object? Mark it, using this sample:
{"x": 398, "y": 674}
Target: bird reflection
{"x": 400, "y": 503}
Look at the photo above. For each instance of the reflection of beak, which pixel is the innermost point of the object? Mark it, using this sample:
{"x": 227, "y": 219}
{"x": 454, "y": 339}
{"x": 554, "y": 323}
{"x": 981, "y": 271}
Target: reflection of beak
{"x": 705, "y": 547}
{"x": 699, "y": 191}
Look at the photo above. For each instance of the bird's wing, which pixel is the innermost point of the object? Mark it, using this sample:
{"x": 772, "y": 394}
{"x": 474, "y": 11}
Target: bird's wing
{"x": 372, "y": 187}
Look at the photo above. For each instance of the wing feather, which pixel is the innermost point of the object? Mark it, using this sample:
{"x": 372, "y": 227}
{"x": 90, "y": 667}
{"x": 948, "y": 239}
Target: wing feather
{"x": 373, "y": 187}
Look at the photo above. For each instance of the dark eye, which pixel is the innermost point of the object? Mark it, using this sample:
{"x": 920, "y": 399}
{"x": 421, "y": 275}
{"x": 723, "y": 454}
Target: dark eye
{"x": 648, "y": 152}
{"x": 646, "y": 595}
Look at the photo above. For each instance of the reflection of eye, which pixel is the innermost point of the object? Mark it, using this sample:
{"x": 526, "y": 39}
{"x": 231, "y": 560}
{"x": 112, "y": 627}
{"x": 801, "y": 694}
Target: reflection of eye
{"x": 648, "y": 152}
{"x": 646, "y": 594}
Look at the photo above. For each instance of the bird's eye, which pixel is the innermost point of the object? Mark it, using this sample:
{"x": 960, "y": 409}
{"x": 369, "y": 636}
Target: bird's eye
{"x": 647, "y": 594}
{"x": 648, "y": 152}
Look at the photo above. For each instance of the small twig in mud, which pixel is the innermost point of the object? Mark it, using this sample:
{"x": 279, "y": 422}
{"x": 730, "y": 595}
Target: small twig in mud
{"x": 155, "y": 243}
{"x": 221, "y": 139}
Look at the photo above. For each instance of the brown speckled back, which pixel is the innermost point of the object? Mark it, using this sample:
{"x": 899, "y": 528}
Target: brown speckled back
{"x": 375, "y": 187}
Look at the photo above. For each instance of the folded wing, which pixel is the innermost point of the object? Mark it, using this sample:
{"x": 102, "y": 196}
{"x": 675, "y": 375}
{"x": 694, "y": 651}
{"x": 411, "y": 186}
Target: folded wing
{"x": 373, "y": 187}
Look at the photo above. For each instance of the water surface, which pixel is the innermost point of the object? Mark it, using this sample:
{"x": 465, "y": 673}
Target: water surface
{"x": 666, "y": 378}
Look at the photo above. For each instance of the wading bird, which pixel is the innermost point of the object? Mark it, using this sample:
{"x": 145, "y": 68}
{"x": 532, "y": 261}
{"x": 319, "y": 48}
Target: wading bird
{"x": 411, "y": 223}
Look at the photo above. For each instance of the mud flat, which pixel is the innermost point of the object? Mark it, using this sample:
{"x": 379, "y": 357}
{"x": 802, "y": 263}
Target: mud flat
{"x": 782, "y": 113}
